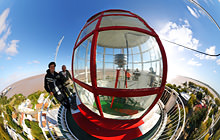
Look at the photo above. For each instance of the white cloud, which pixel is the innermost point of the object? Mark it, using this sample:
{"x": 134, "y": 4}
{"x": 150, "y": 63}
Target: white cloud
{"x": 3, "y": 17}
{"x": 202, "y": 12}
{"x": 33, "y": 62}
{"x": 36, "y": 62}
{"x": 186, "y": 23}
{"x": 4, "y": 29}
{"x": 200, "y": 56}
{"x": 209, "y": 1}
{"x": 194, "y": 12}
{"x": 180, "y": 34}
{"x": 210, "y": 50}
{"x": 214, "y": 71}
{"x": 196, "y": 1}
{"x": 194, "y": 63}
{"x": 182, "y": 59}
{"x": 12, "y": 49}
{"x": 218, "y": 61}
{"x": 8, "y": 58}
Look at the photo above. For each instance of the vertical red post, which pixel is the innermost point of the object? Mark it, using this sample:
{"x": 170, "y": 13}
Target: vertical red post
{"x": 116, "y": 84}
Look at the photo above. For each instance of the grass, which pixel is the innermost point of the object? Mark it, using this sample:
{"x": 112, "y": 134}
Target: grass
{"x": 120, "y": 107}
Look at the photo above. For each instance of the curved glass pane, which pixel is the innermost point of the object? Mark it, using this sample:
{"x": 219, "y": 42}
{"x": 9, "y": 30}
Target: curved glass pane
{"x": 90, "y": 20}
{"x": 87, "y": 98}
{"x": 128, "y": 59}
{"x": 125, "y": 107}
{"x": 116, "y": 12}
{"x": 87, "y": 30}
{"x": 122, "y": 21}
{"x": 82, "y": 61}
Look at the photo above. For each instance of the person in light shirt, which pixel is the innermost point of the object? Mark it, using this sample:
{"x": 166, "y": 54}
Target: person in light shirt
{"x": 68, "y": 84}
{"x": 66, "y": 73}
{"x": 67, "y": 77}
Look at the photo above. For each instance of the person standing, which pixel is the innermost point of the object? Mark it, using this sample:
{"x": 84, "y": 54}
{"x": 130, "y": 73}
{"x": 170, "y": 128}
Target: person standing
{"x": 68, "y": 84}
{"x": 67, "y": 78}
{"x": 54, "y": 84}
{"x": 65, "y": 73}
{"x": 152, "y": 77}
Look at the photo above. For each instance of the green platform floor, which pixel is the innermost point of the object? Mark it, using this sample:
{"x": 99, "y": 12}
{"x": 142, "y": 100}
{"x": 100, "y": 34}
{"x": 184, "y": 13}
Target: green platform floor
{"x": 120, "y": 107}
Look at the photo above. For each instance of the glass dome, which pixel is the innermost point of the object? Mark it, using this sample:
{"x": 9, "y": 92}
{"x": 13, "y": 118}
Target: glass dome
{"x": 119, "y": 65}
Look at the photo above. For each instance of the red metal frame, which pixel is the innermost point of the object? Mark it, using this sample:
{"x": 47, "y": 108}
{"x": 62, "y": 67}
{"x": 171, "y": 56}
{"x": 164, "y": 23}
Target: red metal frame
{"x": 116, "y": 84}
{"x": 118, "y": 92}
{"x": 110, "y": 10}
{"x": 93, "y": 65}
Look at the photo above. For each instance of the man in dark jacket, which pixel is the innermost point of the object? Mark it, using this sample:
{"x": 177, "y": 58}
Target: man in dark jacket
{"x": 54, "y": 84}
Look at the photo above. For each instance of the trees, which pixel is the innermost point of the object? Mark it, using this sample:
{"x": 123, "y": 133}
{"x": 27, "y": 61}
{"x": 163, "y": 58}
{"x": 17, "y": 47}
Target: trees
{"x": 210, "y": 94}
{"x": 9, "y": 109}
{"x": 169, "y": 85}
{"x": 206, "y": 137}
{"x": 34, "y": 97}
{"x": 3, "y": 133}
{"x": 211, "y": 113}
{"x": 183, "y": 90}
{"x": 36, "y": 131}
{"x": 3, "y": 100}
{"x": 215, "y": 109}
{"x": 190, "y": 104}
{"x": 195, "y": 121}
{"x": 199, "y": 96}
{"x": 191, "y": 84}
{"x": 216, "y": 136}
{"x": 217, "y": 101}
{"x": 216, "y": 131}
{"x": 191, "y": 101}
{"x": 176, "y": 88}
{"x": 19, "y": 98}
{"x": 8, "y": 117}
{"x": 209, "y": 122}
{"x": 185, "y": 84}
{"x": 27, "y": 122}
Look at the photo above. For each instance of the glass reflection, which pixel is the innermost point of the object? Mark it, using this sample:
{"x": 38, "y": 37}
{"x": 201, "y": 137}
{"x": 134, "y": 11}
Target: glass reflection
{"x": 87, "y": 98}
{"x": 128, "y": 59}
{"x": 125, "y": 107}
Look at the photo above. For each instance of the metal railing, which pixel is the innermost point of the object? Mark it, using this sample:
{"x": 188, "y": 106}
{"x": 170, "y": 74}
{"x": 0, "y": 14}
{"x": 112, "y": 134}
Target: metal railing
{"x": 176, "y": 115}
{"x": 40, "y": 117}
{"x": 61, "y": 123}
{"x": 171, "y": 127}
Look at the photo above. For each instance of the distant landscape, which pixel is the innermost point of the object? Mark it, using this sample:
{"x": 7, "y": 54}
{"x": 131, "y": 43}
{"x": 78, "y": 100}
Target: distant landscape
{"x": 27, "y": 86}
{"x": 181, "y": 79}
{"x": 20, "y": 109}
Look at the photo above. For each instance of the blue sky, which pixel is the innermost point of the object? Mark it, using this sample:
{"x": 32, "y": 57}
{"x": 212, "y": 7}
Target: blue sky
{"x": 31, "y": 30}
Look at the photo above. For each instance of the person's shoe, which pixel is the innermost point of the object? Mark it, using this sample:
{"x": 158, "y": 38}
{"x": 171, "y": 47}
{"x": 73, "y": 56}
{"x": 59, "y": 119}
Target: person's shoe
{"x": 72, "y": 102}
{"x": 73, "y": 106}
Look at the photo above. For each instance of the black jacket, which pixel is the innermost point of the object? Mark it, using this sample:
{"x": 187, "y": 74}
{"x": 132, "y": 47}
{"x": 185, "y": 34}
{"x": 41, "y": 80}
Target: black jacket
{"x": 68, "y": 76}
{"x": 51, "y": 80}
